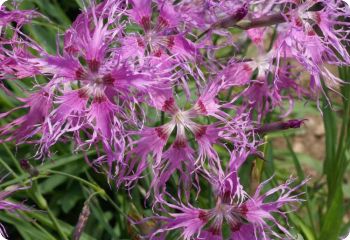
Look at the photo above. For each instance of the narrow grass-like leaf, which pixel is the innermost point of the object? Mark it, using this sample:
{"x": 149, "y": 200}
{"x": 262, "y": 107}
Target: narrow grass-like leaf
{"x": 333, "y": 219}
{"x": 26, "y": 228}
{"x": 305, "y": 230}
{"x": 301, "y": 177}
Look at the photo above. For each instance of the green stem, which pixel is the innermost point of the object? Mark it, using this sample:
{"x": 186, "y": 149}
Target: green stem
{"x": 93, "y": 186}
{"x": 14, "y": 159}
{"x": 8, "y": 167}
{"x": 110, "y": 200}
{"x": 42, "y": 203}
{"x": 50, "y": 237}
{"x": 56, "y": 224}
{"x": 263, "y": 21}
{"x": 301, "y": 178}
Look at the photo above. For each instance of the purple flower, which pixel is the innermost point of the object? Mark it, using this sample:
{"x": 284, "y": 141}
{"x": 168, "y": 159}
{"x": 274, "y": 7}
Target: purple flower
{"x": 180, "y": 155}
{"x": 203, "y": 14}
{"x": 254, "y": 217}
{"x": 25, "y": 127}
{"x": 161, "y": 37}
{"x": 15, "y": 62}
{"x": 92, "y": 92}
{"x": 105, "y": 89}
{"x": 265, "y": 96}
{"x": 6, "y": 205}
{"x": 14, "y": 50}
{"x": 236, "y": 73}
{"x": 19, "y": 16}
{"x": 123, "y": 62}
{"x": 308, "y": 35}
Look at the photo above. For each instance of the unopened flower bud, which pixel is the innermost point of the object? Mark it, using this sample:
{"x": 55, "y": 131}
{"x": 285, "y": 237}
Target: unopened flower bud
{"x": 272, "y": 127}
{"x": 25, "y": 164}
{"x": 238, "y": 15}
{"x": 83, "y": 218}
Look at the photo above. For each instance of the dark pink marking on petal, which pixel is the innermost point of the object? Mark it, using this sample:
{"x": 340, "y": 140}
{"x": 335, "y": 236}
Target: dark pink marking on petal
{"x": 236, "y": 227}
{"x": 80, "y": 74}
{"x": 202, "y": 130}
{"x": 108, "y": 79}
{"x": 161, "y": 133}
{"x": 146, "y": 22}
{"x": 244, "y": 210}
{"x": 162, "y": 23}
{"x": 171, "y": 42}
{"x": 180, "y": 143}
{"x": 169, "y": 105}
{"x": 158, "y": 53}
{"x": 94, "y": 65}
{"x": 203, "y": 216}
{"x": 202, "y": 107}
{"x": 215, "y": 230}
{"x": 83, "y": 93}
{"x": 100, "y": 99}
{"x": 140, "y": 42}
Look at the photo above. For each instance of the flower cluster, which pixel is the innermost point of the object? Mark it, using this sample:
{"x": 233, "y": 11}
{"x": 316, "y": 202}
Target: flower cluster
{"x": 6, "y": 205}
{"x": 246, "y": 219}
{"x": 142, "y": 82}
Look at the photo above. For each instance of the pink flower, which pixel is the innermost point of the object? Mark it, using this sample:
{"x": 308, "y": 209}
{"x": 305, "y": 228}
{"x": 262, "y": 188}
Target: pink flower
{"x": 103, "y": 83}
{"x": 19, "y": 16}
{"x": 161, "y": 37}
{"x": 25, "y": 127}
{"x": 251, "y": 218}
{"x": 236, "y": 74}
{"x": 92, "y": 92}
{"x": 310, "y": 47}
{"x": 179, "y": 155}
{"x": 6, "y": 205}
{"x": 203, "y": 14}
{"x": 264, "y": 96}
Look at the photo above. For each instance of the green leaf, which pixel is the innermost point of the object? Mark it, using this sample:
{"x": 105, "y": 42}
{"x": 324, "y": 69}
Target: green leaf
{"x": 56, "y": 180}
{"x": 28, "y": 229}
{"x": 297, "y": 164}
{"x": 334, "y": 217}
{"x": 70, "y": 198}
{"x": 330, "y": 125}
{"x": 305, "y": 230}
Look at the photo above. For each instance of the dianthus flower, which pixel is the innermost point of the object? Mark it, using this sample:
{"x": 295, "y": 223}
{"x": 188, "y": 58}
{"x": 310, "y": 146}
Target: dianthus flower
{"x": 20, "y": 17}
{"x": 247, "y": 217}
{"x": 170, "y": 155}
{"x": 316, "y": 35}
{"x": 13, "y": 20}
{"x": 6, "y": 205}
{"x": 91, "y": 88}
{"x": 123, "y": 61}
{"x": 259, "y": 93}
{"x": 160, "y": 35}
{"x": 202, "y": 14}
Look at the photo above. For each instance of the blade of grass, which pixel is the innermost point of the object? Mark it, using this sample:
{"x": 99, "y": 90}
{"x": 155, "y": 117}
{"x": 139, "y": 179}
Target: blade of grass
{"x": 99, "y": 214}
{"x": 337, "y": 161}
{"x": 304, "y": 228}
{"x": 45, "y": 220}
{"x": 332, "y": 220}
{"x": 301, "y": 177}
{"x": 80, "y": 4}
{"x": 51, "y": 165}
{"x": 8, "y": 168}
{"x": 331, "y": 136}
{"x": 25, "y": 227}
{"x": 13, "y": 158}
